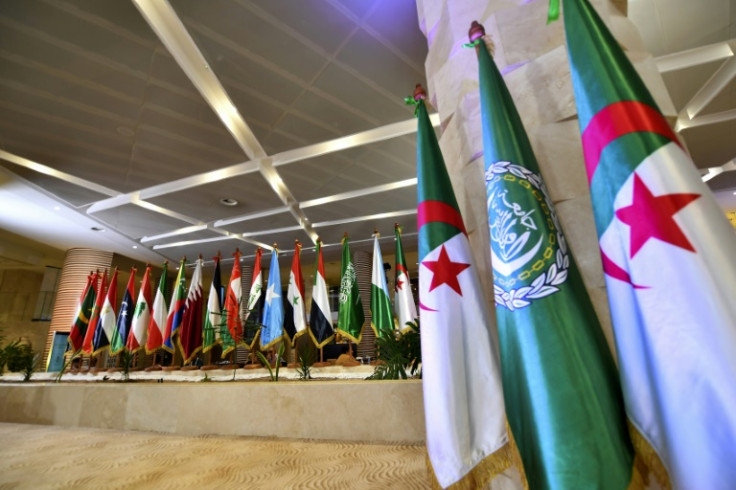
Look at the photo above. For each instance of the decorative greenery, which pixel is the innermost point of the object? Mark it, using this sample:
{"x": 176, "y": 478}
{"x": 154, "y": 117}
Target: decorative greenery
{"x": 66, "y": 365}
{"x": 206, "y": 378}
{"x": 264, "y": 361}
{"x": 19, "y": 357}
{"x": 305, "y": 359}
{"x": 126, "y": 358}
{"x": 7, "y": 353}
{"x": 28, "y": 360}
{"x": 399, "y": 353}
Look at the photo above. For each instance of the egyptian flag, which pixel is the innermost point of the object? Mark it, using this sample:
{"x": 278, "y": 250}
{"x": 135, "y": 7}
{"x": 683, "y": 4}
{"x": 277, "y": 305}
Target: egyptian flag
{"x": 125, "y": 318}
{"x": 295, "y": 317}
{"x": 106, "y": 326}
{"x": 94, "y": 319}
{"x": 406, "y": 309}
{"x": 84, "y": 311}
{"x": 159, "y": 313}
{"x": 320, "y": 316}
{"x": 232, "y": 334}
{"x": 256, "y": 299}
{"x": 667, "y": 253}
{"x": 141, "y": 316}
{"x": 176, "y": 309}
{"x": 190, "y": 334}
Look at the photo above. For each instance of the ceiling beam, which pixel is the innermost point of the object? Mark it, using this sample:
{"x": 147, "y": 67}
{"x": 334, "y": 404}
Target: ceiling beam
{"x": 695, "y": 57}
{"x": 720, "y": 80}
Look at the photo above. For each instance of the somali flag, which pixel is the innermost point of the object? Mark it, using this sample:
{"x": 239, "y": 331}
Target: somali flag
{"x": 273, "y": 311}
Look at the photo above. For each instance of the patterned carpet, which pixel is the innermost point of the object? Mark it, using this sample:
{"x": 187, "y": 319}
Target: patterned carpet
{"x": 41, "y": 457}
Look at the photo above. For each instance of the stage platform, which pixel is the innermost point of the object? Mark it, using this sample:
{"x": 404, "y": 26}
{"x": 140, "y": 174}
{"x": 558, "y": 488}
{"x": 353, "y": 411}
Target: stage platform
{"x": 334, "y": 409}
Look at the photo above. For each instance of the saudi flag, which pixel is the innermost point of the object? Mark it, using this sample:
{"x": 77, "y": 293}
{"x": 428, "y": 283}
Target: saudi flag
{"x": 159, "y": 314}
{"x": 273, "y": 311}
{"x": 255, "y": 300}
{"x": 125, "y": 318}
{"x": 382, "y": 319}
{"x": 233, "y": 331}
{"x": 320, "y": 316}
{"x": 94, "y": 319}
{"x": 667, "y": 255}
{"x": 190, "y": 333}
{"x": 406, "y": 309}
{"x": 176, "y": 309}
{"x": 350, "y": 316}
{"x": 295, "y": 317}
{"x": 106, "y": 328}
{"x": 141, "y": 316}
{"x": 563, "y": 397}
{"x": 213, "y": 319}
{"x": 84, "y": 311}
{"x": 463, "y": 401}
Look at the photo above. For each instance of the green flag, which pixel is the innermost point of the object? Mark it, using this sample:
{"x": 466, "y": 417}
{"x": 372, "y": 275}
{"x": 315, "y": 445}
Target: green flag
{"x": 350, "y": 318}
{"x": 561, "y": 390}
{"x": 382, "y": 318}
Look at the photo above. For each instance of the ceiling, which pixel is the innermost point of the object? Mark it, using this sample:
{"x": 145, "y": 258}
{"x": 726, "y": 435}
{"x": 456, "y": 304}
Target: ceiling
{"x": 139, "y": 117}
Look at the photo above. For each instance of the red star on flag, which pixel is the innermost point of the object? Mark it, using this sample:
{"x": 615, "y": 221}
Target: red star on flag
{"x": 445, "y": 271}
{"x": 651, "y": 216}
{"x": 399, "y": 283}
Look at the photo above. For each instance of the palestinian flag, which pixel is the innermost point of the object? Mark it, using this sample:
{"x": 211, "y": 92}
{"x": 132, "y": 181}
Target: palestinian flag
{"x": 563, "y": 397}
{"x": 463, "y": 398}
{"x": 350, "y": 316}
{"x": 176, "y": 309}
{"x": 255, "y": 301}
{"x": 232, "y": 334}
{"x": 273, "y": 311}
{"x": 295, "y": 317}
{"x": 94, "y": 319}
{"x": 382, "y": 318}
{"x": 125, "y": 318}
{"x": 106, "y": 325}
{"x": 667, "y": 256}
{"x": 213, "y": 319}
{"x": 159, "y": 313}
{"x": 320, "y": 316}
{"x": 406, "y": 309}
{"x": 84, "y": 311}
{"x": 141, "y": 316}
{"x": 190, "y": 334}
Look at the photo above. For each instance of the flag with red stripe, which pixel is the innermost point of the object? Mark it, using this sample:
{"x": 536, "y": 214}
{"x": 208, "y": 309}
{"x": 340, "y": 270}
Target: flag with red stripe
{"x": 94, "y": 319}
{"x": 295, "y": 316}
{"x": 176, "y": 309}
{"x": 141, "y": 315}
{"x": 106, "y": 325}
{"x": 232, "y": 334}
{"x": 159, "y": 314}
{"x": 84, "y": 311}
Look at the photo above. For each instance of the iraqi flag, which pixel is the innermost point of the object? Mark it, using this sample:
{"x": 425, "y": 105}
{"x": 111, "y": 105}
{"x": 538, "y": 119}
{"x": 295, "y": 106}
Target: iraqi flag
{"x": 320, "y": 316}
{"x": 254, "y": 308}
{"x": 141, "y": 315}
{"x": 176, "y": 309}
{"x": 667, "y": 256}
{"x": 406, "y": 309}
{"x": 233, "y": 331}
{"x": 94, "y": 319}
{"x": 106, "y": 326}
{"x": 125, "y": 318}
{"x": 213, "y": 318}
{"x": 461, "y": 378}
{"x": 190, "y": 334}
{"x": 382, "y": 318}
{"x": 295, "y": 317}
{"x": 273, "y": 311}
{"x": 159, "y": 313}
{"x": 84, "y": 311}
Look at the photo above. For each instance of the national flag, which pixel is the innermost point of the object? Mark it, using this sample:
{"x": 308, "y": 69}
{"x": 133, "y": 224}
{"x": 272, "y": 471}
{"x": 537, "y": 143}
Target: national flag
{"x": 94, "y": 319}
{"x": 213, "y": 320}
{"x": 667, "y": 256}
{"x": 320, "y": 316}
{"x": 141, "y": 315}
{"x": 176, "y": 308}
{"x": 254, "y": 308}
{"x": 232, "y": 334}
{"x": 295, "y": 316}
{"x": 273, "y": 311}
{"x": 382, "y": 318}
{"x": 106, "y": 324}
{"x": 190, "y": 334}
{"x": 125, "y": 318}
{"x": 159, "y": 314}
{"x": 461, "y": 379}
{"x": 350, "y": 316}
{"x": 406, "y": 309}
{"x": 561, "y": 388}
{"x": 84, "y": 311}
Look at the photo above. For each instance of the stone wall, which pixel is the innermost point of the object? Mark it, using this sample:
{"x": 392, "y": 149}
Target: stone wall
{"x": 19, "y": 290}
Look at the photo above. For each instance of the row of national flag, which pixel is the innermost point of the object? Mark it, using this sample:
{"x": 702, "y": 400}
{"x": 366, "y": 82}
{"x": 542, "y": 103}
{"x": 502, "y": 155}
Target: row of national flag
{"x": 185, "y": 321}
{"x": 575, "y": 419}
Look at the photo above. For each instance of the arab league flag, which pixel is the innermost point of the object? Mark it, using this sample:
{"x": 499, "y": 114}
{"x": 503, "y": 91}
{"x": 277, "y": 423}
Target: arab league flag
{"x": 232, "y": 332}
{"x": 295, "y": 317}
{"x": 176, "y": 309}
{"x": 273, "y": 311}
{"x": 350, "y": 316}
{"x": 406, "y": 309}
{"x": 320, "y": 316}
{"x": 190, "y": 334}
{"x": 159, "y": 313}
{"x": 254, "y": 308}
{"x": 213, "y": 318}
{"x": 382, "y": 319}
{"x": 84, "y": 311}
{"x": 141, "y": 315}
{"x": 563, "y": 397}
{"x": 94, "y": 319}
{"x": 667, "y": 254}
{"x": 106, "y": 326}
{"x": 125, "y": 318}
{"x": 463, "y": 401}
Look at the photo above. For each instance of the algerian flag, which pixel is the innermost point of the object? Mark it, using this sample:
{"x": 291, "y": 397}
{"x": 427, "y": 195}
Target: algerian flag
{"x": 320, "y": 316}
{"x": 125, "y": 318}
{"x": 563, "y": 397}
{"x": 463, "y": 401}
{"x": 190, "y": 333}
{"x": 84, "y": 311}
{"x": 159, "y": 314}
{"x": 106, "y": 327}
{"x": 273, "y": 311}
{"x": 141, "y": 316}
{"x": 667, "y": 255}
{"x": 406, "y": 309}
{"x": 176, "y": 309}
{"x": 255, "y": 301}
{"x": 213, "y": 319}
{"x": 232, "y": 333}
{"x": 350, "y": 316}
{"x": 382, "y": 319}
{"x": 295, "y": 317}
{"x": 94, "y": 319}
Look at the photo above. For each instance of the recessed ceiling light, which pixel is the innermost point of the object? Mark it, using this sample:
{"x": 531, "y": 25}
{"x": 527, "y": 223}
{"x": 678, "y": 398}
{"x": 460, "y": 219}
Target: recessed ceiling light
{"x": 135, "y": 246}
{"x": 57, "y": 208}
{"x": 97, "y": 228}
{"x": 228, "y": 201}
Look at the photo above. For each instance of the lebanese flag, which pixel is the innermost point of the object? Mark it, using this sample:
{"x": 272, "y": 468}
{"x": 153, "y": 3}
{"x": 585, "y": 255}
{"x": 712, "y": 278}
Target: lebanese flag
{"x": 667, "y": 255}
{"x": 159, "y": 313}
{"x": 94, "y": 319}
{"x": 295, "y": 317}
{"x": 190, "y": 334}
{"x": 106, "y": 325}
{"x": 406, "y": 309}
{"x": 176, "y": 309}
{"x": 232, "y": 308}
{"x": 320, "y": 317}
{"x": 141, "y": 316}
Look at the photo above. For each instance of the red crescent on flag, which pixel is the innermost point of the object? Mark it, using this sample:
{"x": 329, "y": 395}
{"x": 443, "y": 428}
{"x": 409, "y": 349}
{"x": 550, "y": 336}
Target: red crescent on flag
{"x": 614, "y": 270}
{"x": 438, "y": 211}
{"x": 425, "y": 308}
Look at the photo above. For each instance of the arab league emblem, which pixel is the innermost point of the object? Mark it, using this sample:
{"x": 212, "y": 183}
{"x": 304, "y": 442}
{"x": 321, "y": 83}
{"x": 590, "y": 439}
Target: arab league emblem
{"x": 528, "y": 251}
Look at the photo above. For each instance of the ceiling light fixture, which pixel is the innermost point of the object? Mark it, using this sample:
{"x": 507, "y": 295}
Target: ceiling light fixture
{"x": 228, "y": 201}
{"x": 135, "y": 246}
{"x": 57, "y": 208}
